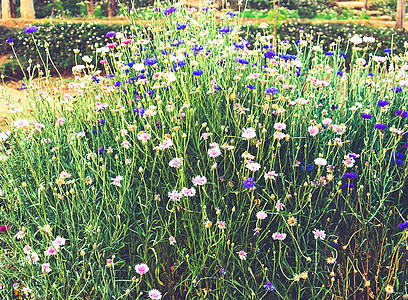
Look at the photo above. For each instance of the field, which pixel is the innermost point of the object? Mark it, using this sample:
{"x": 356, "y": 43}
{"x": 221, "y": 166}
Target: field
{"x": 197, "y": 158}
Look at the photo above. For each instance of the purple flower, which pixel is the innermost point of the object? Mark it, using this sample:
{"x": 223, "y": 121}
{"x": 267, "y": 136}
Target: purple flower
{"x": 182, "y": 26}
{"x": 150, "y": 61}
{"x": 225, "y": 29}
{"x": 169, "y": 11}
{"x": 366, "y": 116}
{"x": 401, "y": 113}
{"x": 270, "y": 54}
{"x": 387, "y": 50}
{"x": 403, "y": 225}
{"x": 406, "y": 145}
{"x": 271, "y": 90}
{"x": 248, "y": 183}
{"x": 222, "y": 271}
{"x": 111, "y": 34}
{"x": 350, "y": 175}
{"x": 340, "y": 73}
{"x": 30, "y": 29}
{"x": 382, "y": 103}
{"x": 268, "y": 286}
{"x": 348, "y": 185}
{"x": 197, "y": 72}
{"x": 380, "y": 126}
{"x": 10, "y": 40}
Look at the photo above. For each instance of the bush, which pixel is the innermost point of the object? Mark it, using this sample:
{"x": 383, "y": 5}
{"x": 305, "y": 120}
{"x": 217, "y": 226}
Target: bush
{"x": 184, "y": 162}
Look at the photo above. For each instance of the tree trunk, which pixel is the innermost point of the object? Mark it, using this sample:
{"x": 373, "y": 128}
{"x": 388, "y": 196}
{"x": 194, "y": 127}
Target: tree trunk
{"x": 112, "y": 8}
{"x": 401, "y": 7}
{"x": 90, "y": 8}
{"x": 27, "y": 9}
{"x": 13, "y": 9}
{"x": 366, "y": 4}
{"x": 53, "y": 9}
{"x": 5, "y": 9}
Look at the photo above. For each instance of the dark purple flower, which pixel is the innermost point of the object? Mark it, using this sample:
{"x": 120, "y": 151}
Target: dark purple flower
{"x": 366, "y": 116}
{"x": 250, "y": 86}
{"x": 403, "y": 225}
{"x": 340, "y": 73}
{"x": 382, "y": 103}
{"x": 350, "y": 175}
{"x": 268, "y": 286}
{"x": 401, "y": 113}
{"x": 387, "y": 50}
{"x": 270, "y": 54}
{"x": 328, "y": 53}
{"x": 10, "y": 40}
{"x": 348, "y": 185}
{"x": 380, "y": 126}
{"x": 169, "y": 11}
{"x": 406, "y": 145}
{"x": 111, "y": 34}
{"x": 30, "y": 29}
{"x": 248, "y": 183}
{"x": 342, "y": 54}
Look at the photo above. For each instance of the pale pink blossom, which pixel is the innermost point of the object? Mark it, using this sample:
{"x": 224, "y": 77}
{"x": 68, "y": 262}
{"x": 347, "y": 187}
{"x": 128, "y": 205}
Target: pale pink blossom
{"x": 279, "y": 206}
{"x": 27, "y": 249}
{"x": 248, "y": 133}
{"x": 188, "y": 192}
{"x": 116, "y": 180}
{"x": 141, "y": 269}
{"x": 279, "y": 135}
{"x": 313, "y": 130}
{"x": 271, "y": 175}
{"x": 279, "y": 236}
{"x": 242, "y": 255}
{"x": 253, "y": 166}
{"x": 175, "y": 163}
{"x": 20, "y": 235}
{"x": 155, "y": 295}
{"x": 320, "y": 161}
{"x": 261, "y": 215}
{"x": 126, "y": 144}
{"x": 172, "y": 240}
{"x": 50, "y": 251}
{"x": 221, "y": 224}
{"x": 279, "y": 126}
{"x": 175, "y": 195}
{"x": 60, "y": 121}
{"x": 32, "y": 258}
{"x": 45, "y": 268}
{"x": 319, "y": 234}
{"x": 199, "y": 180}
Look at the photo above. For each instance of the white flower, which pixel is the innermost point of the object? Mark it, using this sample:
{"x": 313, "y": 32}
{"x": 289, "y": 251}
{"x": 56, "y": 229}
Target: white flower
{"x": 248, "y": 133}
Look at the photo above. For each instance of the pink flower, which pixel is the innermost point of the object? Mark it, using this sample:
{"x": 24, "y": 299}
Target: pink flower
{"x": 271, "y": 175}
{"x": 128, "y": 161}
{"x": 221, "y": 225}
{"x": 279, "y": 236}
{"x": 45, "y": 268}
{"x": 313, "y": 130}
{"x": 111, "y": 45}
{"x": 261, "y": 215}
{"x": 242, "y": 255}
{"x": 32, "y": 258}
{"x": 320, "y": 161}
{"x": 109, "y": 262}
{"x": 50, "y": 251}
{"x": 27, "y": 249}
{"x": 205, "y": 135}
{"x": 214, "y": 150}
{"x": 199, "y": 180}
{"x": 143, "y": 136}
{"x": 155, "y": 295}
{"x": 319, "y": 234}
{"x": 279, "y": 135}
{"x": 279, "y": 126}
{"x": 4, "y": 228}
{"x": 116, "y": 180}
{"x": 327, "y": 121}
{"x": 172, "y": 240}
{"x": 20, "y": 235}
{"x": 58, "y": 242}
{"x": 126, "y": 144}
{"x": 253, "y": 166}
{"x": 175, "y": 195}
{"x": 60, "y": 121}
{"x": 64, "y": 175}
{"x": 141, "y": 269}
{"x": 175, "y": 163}
{"x": 279, "y": 206}
{"x": 248, "y": 133}
{"x": 188, "y": 192}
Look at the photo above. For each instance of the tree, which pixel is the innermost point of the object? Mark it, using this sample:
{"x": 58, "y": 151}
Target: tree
{"x": 5, "y": 9}
{"x": 401, "y": 7}
{"x": 113, "y": 8}
{"x": 90, "y": 7}
{"x": 27, "y": 9}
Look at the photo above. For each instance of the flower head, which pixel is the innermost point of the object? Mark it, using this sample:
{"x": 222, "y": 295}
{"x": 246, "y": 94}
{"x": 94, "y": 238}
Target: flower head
{"x": 141, "y": 269}
{"x": 248, "y": 183}
{"x": 268, "y": 286}
{"x": 30, "y": 29}
{"x": 319, "y": 234}
{"x": 155, "y": 295}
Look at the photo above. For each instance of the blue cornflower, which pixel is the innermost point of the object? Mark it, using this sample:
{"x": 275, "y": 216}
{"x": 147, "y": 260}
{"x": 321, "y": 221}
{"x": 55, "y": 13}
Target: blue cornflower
{"x": 231, "y": 14}
{"x": 150, "y": 61}
{"x": 348, "y": 185}
{"x": 270, "y": 54}
{"x": 401, "y": 113}
{"x": 248, "y": 183}
{"x": 242, "y": 61}
{"x": 272, "y": 90}
{"x": 242, "y": 44}
{"x": 333, "y": 107}
{"x": 9, "y": 41}
{"x": 182, "y": 26}
{"x": 366, "y": 116}
{"x": 370, "y": 74}
{"x": 387, "y": 50}
{"x": 350, "y": 175}
{"x": 380, "y": 126}
{"x": 222, "y": 271}
{"x": 225, "y": 30}
{"x": 197, "y": 48}
{"x": 250, "y": 86}
{"x": 169, "y": 11}
{"x": 397, "y": 89}
{"x": 30, "y": 29}
{"x": 340, "y": 73}
{"x": 110, "y": 34}
{"x": 268, "y": 286}
{"x": 382, "y": 103}
{"x": 287, "y": 56}
{"x": 342, "y": 54}
{"x": 307, "y": 167}
{"x": 329, "y": 53}
{"x": 197, "y": 72}
{"x": 101, "y": 150}
{"x": 403, "y": 225}
{"x": 118, "y": 83}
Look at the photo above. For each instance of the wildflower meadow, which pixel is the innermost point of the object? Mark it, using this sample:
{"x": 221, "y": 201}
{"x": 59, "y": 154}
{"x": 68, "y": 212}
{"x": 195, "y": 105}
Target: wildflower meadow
{"x": 189, "y": 160}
